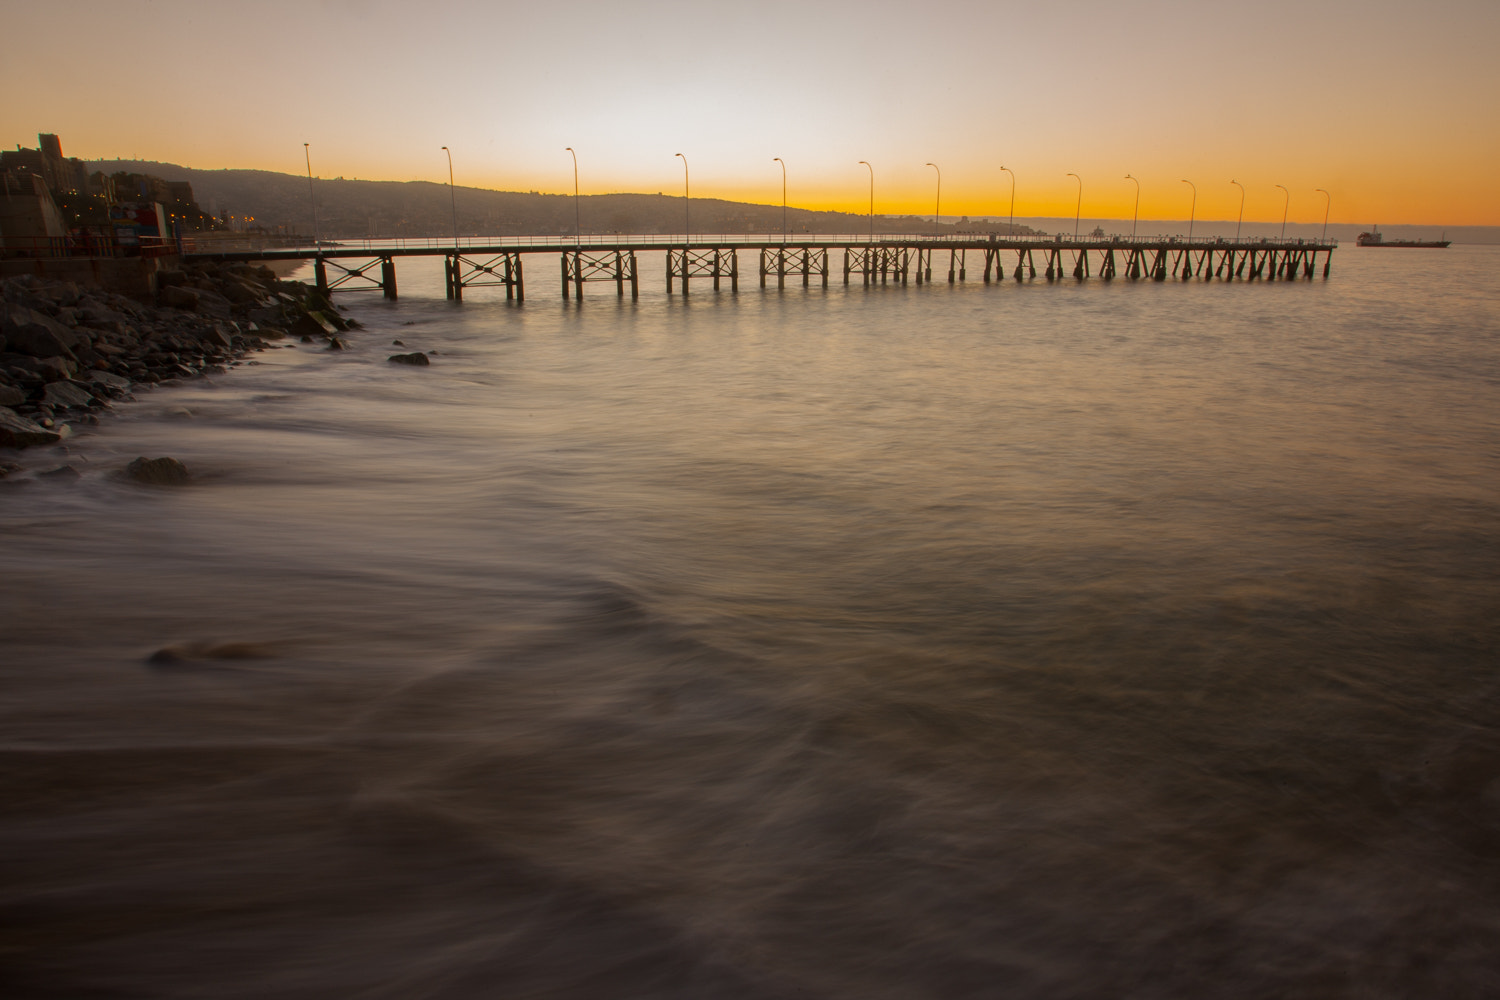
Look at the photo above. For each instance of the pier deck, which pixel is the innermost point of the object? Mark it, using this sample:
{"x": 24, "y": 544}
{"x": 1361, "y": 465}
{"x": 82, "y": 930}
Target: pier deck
{"x": 350, "y": 265}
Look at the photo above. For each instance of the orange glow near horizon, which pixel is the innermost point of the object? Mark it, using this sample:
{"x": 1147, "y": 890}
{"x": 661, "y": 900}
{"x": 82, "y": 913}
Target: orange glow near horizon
{"x": 1161, "y": 90}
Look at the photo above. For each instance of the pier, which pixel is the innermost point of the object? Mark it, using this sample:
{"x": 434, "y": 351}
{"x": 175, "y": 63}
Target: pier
{"x": 370, "y": 265}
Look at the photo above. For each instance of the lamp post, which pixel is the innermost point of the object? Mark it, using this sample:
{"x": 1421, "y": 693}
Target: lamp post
{"x": 1242, "y": 209}
{"x": 937, "y": 224}
{"x": 872, "y": 200}
{"x": 686, "y": 198}
{"x": 452, "y": 199}
{"x": 1078, "y": 210}
{"x": 1326, "y": 207}
{"x": 1012, "y": 199}
{"x": 783, "y": 197}
{"x": 577, "y": 225}
{"x": 1192, "y": 209}
{"x": 1137, "y": 213}
{"x": 308, "y": 156}
{"x": 1284, "y": 209}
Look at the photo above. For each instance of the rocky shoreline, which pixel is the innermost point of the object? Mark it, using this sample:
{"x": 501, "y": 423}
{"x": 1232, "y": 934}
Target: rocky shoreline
{"x": 68, "y": 351}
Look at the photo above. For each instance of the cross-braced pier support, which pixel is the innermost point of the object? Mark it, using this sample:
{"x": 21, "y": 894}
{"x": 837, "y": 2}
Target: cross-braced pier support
{"x": 711, "y": 262}
{"x": 460, "y": 272}
{"x": 615, "y": 265}
{"x": 883, "y": 262}
{"x": 783, "y": 261}
{"x": 351, "y": 276}
{"x": 957, "y": 265}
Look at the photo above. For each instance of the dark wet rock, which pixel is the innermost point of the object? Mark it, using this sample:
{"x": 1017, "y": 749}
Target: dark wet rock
{"x": 415, "y": 358}
{"x": 398, "y": 343}
{"x": 315, "y": 324}
{"x": 180, "y": 297}
{"x": 109, "y": 379}
{"x": 27, "y": 331}
{"x": 65, "y": 395}
{"x": 335, "y": 344}
{"x": 157, "y": 471}
{"x": 54, "y": 369}
{"x": 18, "y": 432}
{"x": 62, "y": 472}
{"x": 11, "y": 396}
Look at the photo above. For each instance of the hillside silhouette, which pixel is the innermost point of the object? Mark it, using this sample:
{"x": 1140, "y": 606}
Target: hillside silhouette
{"x": 352, "y": 209}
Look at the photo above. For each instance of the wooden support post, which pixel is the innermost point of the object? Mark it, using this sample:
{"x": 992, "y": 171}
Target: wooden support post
{"x": 388, "y": 278}
{"x": 1327, "y": 263}
{"x": 669, "y": 270}
{"x": 716, "y": 269}
{"x": 458, "y": 279}
{"x": 619, "y": 276}
{"x": 962, "y": 265}
{"x": 989, "y": 260}
{"x": 578, "y": 274}
{"x": 320, "y": 276}
{"x": 520, "y": 288}
{"x": 686, "y": 266}
{"x": 952, "y": 262}
{"x": 564, "y": 267}
{"x": 807, "y": 267}
{"x": 734, "y": 272}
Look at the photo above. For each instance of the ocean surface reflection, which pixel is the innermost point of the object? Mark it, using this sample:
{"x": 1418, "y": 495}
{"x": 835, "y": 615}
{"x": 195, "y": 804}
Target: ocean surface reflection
{"x": 1025, "y": 640}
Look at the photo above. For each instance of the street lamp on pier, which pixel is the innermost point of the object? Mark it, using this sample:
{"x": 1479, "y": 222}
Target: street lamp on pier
{"x": 1241, "y": 219}
{"x": 577, "y": 223}
{"x": 937, "y": 208}
{"x": 1012, "y": 199}
{"x": 452, "y": 199}
{"x": 1327, "y": 205}
{"x": 1284, "y": 209}
{"x": 1192, "y": 209}
{"x": 872, "y": 200}
{"x": 1078, "y": 210}
{"x": 310, "y": 197}
{"x": 686, "y": 208}
{"x": 1135, "y": 215}
{"x": 783, "y": 197}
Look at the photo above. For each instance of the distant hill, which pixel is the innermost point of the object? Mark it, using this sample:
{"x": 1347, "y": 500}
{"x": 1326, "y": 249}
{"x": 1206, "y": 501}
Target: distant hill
{"x": 351, "y": 209}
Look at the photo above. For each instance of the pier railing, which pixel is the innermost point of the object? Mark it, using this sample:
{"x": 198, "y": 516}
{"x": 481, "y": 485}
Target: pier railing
{"x": 437, "y": 244}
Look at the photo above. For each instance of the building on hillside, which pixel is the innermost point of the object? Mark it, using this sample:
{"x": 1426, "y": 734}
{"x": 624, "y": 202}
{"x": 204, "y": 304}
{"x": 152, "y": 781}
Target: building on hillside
{"x": 31, "y": 224}
{"x": 61, "y": 175}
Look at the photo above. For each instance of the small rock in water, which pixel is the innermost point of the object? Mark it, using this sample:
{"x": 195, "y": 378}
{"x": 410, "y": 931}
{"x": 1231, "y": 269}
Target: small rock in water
{"x": 416, "y": 358}
{"x": 335, "y": 344}
{"x": 157, "y": 471}
{"x": 62, "y": 472}
{"x": 397, "y": 343}
{"x": 177, "y": 655}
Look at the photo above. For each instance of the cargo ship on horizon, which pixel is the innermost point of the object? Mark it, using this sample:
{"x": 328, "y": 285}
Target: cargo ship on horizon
{"x": 1374, "y": 239}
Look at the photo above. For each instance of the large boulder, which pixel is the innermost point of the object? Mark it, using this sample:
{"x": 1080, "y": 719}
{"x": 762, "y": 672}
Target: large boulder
{"x": 66, "y": 395}
{"x": 27, "y": 331}
{"x": 180, "y": 297}
{"x": 11, "y": 396}
{"x": 18, "y": 432}
{"x": 313, "y": 324}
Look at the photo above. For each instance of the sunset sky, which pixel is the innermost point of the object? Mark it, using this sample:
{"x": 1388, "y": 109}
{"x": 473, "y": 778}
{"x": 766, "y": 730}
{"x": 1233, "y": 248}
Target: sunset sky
{"x": 1391, "y": 106}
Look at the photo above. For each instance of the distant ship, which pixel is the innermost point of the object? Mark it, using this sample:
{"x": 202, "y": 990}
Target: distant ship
{"x": 1374, "y": 239}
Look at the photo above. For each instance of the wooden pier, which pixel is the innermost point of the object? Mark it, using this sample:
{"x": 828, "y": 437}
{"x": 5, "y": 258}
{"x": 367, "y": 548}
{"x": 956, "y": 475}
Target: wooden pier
{"x": 370, "y": 265}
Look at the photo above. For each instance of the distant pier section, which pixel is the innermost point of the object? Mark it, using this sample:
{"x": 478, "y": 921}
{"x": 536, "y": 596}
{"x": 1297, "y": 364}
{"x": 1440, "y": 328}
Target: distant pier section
{"x": 370, "y": 265}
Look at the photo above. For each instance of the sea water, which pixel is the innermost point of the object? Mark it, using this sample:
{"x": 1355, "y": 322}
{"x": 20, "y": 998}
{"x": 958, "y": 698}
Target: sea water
{"x": 1025, "y": 640}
